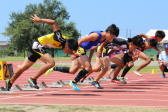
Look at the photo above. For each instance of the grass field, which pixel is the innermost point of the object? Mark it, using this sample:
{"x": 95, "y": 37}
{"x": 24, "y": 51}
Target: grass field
{"x": 56, "y": 108}
{"x": 22, "y": 59}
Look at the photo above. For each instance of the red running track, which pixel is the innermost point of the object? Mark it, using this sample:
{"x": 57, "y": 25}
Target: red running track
{"x": 147, "y": 91}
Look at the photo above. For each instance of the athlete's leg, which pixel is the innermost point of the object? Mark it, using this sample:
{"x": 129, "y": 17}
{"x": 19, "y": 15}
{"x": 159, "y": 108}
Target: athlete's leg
{"x": 129, "y": 65}
{"x": 105, "y": 62}
{"x": 26, "y": 64}
{"x": 95, "y": 68}
{"x": 120, "y": 64}
{"x": 127, "y": 68}
{"x": 49, "y": 62}
{"x": 85, "y": 62}
{"x": 163, "y": 69}
{"x": 71, "y": 70}
{"x": 144, "y": 64}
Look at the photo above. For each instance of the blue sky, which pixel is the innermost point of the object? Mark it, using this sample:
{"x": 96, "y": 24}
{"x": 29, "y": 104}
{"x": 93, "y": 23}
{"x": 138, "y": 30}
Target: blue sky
{"x": 139, "y": 16}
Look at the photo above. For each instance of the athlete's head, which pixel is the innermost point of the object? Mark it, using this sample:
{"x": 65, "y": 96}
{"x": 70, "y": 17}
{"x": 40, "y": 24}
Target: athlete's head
{"x": 135, "y": 42}
{"x": 70, "y": 46}
{"x": 160, "y": 35}
{"x": 112, "y": 31}
{"x": 149, "y": 44}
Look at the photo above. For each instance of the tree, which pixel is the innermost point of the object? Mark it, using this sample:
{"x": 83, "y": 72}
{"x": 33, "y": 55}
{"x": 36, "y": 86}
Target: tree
{"x": 22, "y": 31}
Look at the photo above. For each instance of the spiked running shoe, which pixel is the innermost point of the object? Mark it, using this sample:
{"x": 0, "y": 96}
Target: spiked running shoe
{"x": 96, "y": 84}
{"x": 8, "y": 85}
{"x": 74, "y": 86}
{"x": 137, "y": 73}
{"x": 49, "y": 71}
{"x": 33, "y": 83}
{"x": 116, "y": 81}
{"x": 163, "y": 76}
{"x": 122, "y": 79}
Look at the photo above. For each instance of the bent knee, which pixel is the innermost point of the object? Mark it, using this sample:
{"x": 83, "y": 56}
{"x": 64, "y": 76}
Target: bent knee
{"x": 51, "y": 64}
{"x": 89, "y": 69}
{"x": 148, "y": 61}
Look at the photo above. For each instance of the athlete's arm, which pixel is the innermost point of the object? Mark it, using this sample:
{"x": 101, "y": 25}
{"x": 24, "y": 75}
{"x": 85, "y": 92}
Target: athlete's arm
{"x": 91, "y": 37}
{"x": 99, "y": 51}
{"x": 51, "y": 22}
{"x": 155, "y": 48}
{"x": 145, "y": 36}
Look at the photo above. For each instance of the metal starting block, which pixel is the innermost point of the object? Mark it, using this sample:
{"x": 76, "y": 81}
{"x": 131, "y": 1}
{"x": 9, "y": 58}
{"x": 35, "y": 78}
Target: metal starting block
{"x": 56, "y": 84}
{"x": 105, "y": 79}
{"x": 79, "y": 83}
{"x": 3, "y": 91}
{"x": 26, "y": 87}
{"x": 90, "y": 79}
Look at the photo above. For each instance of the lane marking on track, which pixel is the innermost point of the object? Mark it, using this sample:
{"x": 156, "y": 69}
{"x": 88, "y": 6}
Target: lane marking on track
{"x": 113, "y": 99}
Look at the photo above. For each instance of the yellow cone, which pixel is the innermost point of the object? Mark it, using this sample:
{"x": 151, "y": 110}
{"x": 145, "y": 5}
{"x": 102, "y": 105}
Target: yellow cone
{"x": 153, "y": 71}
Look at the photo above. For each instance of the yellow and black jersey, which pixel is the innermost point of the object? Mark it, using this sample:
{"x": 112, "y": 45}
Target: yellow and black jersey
{"x": 53, "y": 40}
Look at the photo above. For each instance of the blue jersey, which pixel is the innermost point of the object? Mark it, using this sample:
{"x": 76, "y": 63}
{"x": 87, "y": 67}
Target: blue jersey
{"x": 93, "y": 44}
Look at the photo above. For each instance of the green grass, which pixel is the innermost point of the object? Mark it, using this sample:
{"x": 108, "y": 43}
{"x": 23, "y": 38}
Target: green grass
{"x": 147, "y": 69}
{"x": 57, "y": 108}
{"x": 22, "y": 59}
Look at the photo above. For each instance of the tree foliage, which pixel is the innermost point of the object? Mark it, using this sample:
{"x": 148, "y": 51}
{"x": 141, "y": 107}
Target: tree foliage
{"x": 22, "y": 31}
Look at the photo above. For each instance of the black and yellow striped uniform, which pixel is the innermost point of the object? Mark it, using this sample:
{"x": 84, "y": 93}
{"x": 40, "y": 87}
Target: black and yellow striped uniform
{"x": 53, "y": 40}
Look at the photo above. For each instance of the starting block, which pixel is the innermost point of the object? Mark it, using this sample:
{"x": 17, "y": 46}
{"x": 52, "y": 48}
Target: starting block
{"x": 26, "y": 88}
{"x": 90, "y": 79}
{"x": 105, "y": 79}
{"x": 79, "y": 83}
{"x": 54, "y": 85}
{"x": 3, "y": 91}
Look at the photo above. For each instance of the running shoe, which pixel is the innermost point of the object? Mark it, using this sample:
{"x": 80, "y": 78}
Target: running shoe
{"x": 33, "y": 83}
{"x": 96, "y": 84}
{"x": 122, "y": 79}
{"x": 137, "y": 73}
{"x": 163, "y": 76}
{"x": 49, "y": 71}
{"x": 8, "y": 85}
{"x": 74, "y": 86}
{"x": 116, "y": 81}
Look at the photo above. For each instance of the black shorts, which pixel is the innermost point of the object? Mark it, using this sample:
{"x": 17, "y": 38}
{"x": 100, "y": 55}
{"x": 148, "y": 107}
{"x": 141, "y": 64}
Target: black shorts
{"x": 165, "y": 69}
{"x": 126, "y": 58}
{"x": 113, "y": 66}
{"x": 36, "y": 51}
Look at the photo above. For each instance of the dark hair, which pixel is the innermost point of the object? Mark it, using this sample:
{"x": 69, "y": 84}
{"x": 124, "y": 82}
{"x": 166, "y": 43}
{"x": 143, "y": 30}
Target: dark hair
{"x": 160, "y": 33}
{"x": 114, "y": 30}
{"x": 136, "y": 40}
{"x": 153, "y": 42}
{"x": 72, "y": 44}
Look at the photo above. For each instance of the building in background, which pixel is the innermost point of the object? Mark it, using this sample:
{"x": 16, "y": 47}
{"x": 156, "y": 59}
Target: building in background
{"x": 4, "y": 45}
